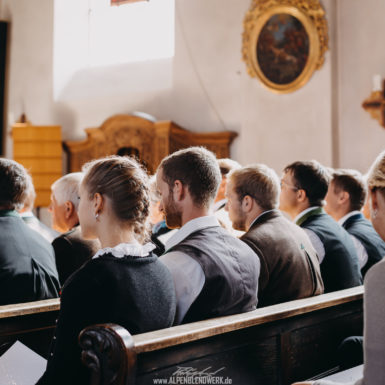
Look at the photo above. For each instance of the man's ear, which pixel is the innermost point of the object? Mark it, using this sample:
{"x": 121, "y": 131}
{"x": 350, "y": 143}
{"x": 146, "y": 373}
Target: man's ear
{"x": 178, "y": 190}
{"x": 247, "y": 204}
{"x": 373, "y": 200}
{"x": 343, "y": 197}
{"x": 69, "y": 209}
{"x": 301, "y": 195}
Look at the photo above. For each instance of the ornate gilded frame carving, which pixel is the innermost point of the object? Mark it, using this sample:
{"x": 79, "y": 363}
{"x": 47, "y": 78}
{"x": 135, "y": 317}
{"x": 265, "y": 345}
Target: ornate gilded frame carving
{"x": 311, "y": 16}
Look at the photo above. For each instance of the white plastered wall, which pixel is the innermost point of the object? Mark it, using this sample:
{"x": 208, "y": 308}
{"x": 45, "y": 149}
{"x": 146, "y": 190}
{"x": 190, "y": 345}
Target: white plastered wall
{"x": 210, "y": 89}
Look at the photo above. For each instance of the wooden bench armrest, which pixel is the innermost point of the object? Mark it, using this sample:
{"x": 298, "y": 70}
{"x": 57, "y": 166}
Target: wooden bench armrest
{"x": 108, "y": 352}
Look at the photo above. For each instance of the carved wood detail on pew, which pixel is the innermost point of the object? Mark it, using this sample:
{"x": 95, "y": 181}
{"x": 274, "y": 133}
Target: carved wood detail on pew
{"x": 276, "y": 345}
{"x": 108, "y": 352}
{"x": 149, "y": 141}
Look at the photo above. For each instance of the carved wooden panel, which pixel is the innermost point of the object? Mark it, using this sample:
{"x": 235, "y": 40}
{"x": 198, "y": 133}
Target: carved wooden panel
{"x": 150, "y": 141}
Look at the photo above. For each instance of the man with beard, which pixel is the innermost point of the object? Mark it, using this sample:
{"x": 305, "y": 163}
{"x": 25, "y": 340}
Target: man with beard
{"x": 214, "y": 273}
{"x": 289, "y": 264}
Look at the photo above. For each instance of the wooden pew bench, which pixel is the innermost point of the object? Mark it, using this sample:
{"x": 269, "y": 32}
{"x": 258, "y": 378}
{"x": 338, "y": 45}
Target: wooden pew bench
{"x": 278, "y": 344}
{"x": 32, "y": 323}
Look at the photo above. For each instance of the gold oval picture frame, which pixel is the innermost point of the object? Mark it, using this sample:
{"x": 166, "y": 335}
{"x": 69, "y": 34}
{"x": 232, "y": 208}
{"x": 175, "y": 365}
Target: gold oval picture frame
{"x": 284, "y": 42}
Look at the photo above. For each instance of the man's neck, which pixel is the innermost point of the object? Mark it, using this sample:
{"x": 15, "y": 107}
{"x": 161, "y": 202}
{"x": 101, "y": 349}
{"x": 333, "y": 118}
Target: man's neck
{"x": 193, "y": 213}
{"x": 252, "y": 217}
{"x": 299, "y": 209}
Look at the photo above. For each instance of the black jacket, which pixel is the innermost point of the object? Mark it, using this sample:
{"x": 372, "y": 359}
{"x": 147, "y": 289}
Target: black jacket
{"x": 72, "y": 251}
{"x": 27, "y": 263}
{"x": 134, "y": 292}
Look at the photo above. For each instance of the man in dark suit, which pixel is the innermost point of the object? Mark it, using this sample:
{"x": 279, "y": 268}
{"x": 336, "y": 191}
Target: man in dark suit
{"x": 27, "y": 264}
{"x": 289, "y": 264}
{"x": 303, "y": 188}
{"x": 71, "y": 250}
{"x": 345, "y": 198}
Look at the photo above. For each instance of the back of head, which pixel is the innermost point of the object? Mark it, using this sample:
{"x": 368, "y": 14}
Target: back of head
{"x": 227, "y": 165}
{"x": 30, "y": 197}
{"x": 376, "y": 174}
{"x": 67, "y": 188}
{"x": 352, "y": 182}
{"x": 126, "y": 184}
{"x": 311, "y": 177}
{"x": 259, "y": 182}
{"x": 196, "y": 168}
{"x": 14, "y": 182}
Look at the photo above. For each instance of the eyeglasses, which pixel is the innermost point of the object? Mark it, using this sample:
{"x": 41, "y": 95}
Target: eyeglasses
{"x": 295, "y": 188}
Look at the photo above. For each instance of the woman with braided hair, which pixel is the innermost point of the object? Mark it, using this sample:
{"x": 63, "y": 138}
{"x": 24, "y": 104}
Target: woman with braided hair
{"x": 124, "y": 283}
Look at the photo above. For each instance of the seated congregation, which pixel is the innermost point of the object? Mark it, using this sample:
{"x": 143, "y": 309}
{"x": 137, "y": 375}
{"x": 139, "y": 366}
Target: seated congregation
{"x": 106, "y": 271}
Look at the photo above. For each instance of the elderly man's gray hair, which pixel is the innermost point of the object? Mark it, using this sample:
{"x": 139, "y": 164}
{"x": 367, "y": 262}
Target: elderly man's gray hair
{"x": 67, "y": 188}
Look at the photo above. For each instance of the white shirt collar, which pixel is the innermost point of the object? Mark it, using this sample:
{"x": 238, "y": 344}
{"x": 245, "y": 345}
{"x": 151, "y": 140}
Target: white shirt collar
{"x": 123, "y": 249}
{"x": 342, "y": 220}
{"x": 27, "y": 214}
{"x": 265, "y": 212}
{"x": 190, "y": 227}
{"x": 302, "y": 213}
{"x": 219, "y": 204}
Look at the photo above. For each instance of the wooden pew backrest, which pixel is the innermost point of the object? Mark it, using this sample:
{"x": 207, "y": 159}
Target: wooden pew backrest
{"x": 32, "y": 323}
{"x": 278, "y": 344}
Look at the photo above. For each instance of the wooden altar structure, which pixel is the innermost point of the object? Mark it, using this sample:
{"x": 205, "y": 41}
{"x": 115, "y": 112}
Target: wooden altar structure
{"x": 149, "y": 141}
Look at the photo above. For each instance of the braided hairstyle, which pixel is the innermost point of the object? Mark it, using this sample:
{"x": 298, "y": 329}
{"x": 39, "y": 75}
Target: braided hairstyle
{"x": 124, "y": 181}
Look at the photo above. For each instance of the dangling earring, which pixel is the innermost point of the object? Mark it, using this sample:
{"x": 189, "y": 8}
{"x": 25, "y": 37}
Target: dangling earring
{"x": 374, "y": 213}
{"x": 97, "y": 217}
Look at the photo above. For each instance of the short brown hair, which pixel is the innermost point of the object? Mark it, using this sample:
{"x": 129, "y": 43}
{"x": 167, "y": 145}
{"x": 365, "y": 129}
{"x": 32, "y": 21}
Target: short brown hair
{"x": 312, "y": 177}
{"x": 197, "y": 168}
{"x": 14, "y": 182}
{"x": 259, "y": 182}
{"x": 226, "y": 165}
{"x": 353, "y": 183}
{"x": 123, "y": 180}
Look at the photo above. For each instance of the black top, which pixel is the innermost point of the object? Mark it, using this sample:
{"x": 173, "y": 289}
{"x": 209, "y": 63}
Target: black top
{"x": 72, "y": 251}
{"x": 27, "y": 263}
{"x": 339, "y": 268}
{"x": 134, "y": 292}
{"x": 362, "y": 229}
{"x": 231, "y": 272}
{"x": 289, "y": 264}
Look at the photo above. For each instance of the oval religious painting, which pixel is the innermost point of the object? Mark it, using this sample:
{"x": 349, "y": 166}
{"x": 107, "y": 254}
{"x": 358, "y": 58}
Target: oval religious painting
{"x": 284, "y": 43}
{"x": 282, "y": 48}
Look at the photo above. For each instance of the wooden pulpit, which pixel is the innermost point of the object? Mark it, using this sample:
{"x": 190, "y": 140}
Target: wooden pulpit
{"x": 149, "y": 141}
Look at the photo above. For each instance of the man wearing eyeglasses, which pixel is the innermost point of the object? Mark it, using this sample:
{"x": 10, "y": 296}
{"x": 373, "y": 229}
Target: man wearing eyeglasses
{"x": 289, "y": 264}
{"x": 303, "y": 188}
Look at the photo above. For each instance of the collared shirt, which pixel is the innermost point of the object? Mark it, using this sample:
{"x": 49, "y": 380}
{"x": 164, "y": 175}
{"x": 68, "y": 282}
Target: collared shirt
{"x": 342, "y": 220}
{"x": 361, "y": 251}
{"x": 314, "y": 238}
{"x": 187, "y": 273}
{"x": 218, "y": 205}
{"x": 127, "y": 249}
{"x": 258, "y": 216}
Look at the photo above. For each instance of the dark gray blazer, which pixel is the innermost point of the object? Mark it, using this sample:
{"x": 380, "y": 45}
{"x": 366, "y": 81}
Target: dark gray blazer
{"x": 27, "y": 263}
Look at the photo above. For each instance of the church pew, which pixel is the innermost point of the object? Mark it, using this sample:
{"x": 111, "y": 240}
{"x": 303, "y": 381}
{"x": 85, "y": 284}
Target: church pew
{"x": 32, "y": 323}
{"x": 278, "y": 344}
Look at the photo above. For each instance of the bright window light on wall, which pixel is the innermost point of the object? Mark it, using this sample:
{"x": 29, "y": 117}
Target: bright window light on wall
{"x": 93, "y": 33}
{"x": 130, "y": 33}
